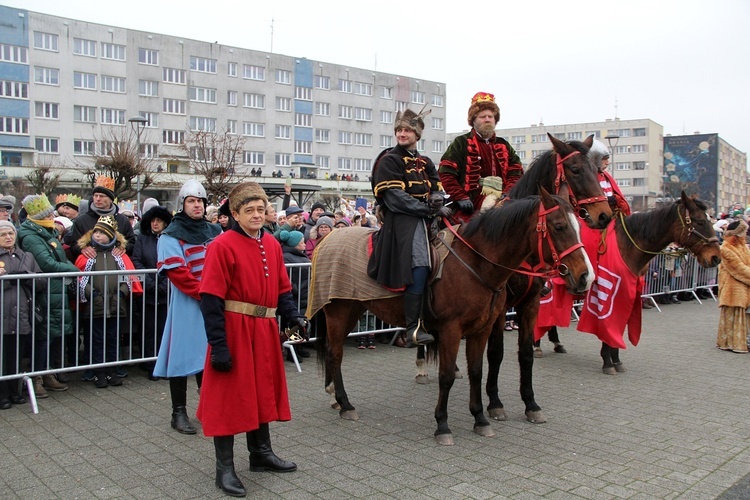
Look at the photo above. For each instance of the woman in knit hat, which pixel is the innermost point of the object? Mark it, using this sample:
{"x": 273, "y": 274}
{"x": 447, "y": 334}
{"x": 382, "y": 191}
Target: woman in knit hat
{"x": 734, "y": 291}
{"x": 37, "y": 236}
{"x": 323, "y": 228}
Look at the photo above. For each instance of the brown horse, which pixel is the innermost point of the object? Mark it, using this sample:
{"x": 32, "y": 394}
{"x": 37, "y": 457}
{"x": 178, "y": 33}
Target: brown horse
{"x": 480, "y": 258}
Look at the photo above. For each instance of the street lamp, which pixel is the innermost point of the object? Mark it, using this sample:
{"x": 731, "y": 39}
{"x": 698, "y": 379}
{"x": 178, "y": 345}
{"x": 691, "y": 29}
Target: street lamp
{"x": 138, "y": 123}
{"x": 612, "y": 140}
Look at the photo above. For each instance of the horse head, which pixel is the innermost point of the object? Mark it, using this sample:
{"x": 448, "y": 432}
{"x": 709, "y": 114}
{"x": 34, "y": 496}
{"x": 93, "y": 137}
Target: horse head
{"x": 695, "y": 231}
{"x": 577, "y": 179}
{"x": 559, "y": 243}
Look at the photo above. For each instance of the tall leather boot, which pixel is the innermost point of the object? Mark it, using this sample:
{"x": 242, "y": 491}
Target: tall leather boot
{"x": 226, "y": 477}
{"x": 415, "y": 332}
{"x": 262, "y": 457}
{"x": 181, "y": 422}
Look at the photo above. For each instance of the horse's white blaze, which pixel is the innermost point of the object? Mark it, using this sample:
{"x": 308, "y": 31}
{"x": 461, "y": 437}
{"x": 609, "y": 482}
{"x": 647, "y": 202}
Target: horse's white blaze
{"x": 589, "y": 268}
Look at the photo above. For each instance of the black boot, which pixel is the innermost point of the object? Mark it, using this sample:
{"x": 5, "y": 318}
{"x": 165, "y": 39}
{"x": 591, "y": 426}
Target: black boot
{"x": 262, "y": 457}
{"x": 415, "y": 332}
{"x": 181, "y": 422}
{"x": 226, "y": 477}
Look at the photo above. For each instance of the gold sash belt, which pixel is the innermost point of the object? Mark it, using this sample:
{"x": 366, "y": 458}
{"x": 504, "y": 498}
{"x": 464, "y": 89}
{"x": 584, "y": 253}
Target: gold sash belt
{"x": 249, "y": 309}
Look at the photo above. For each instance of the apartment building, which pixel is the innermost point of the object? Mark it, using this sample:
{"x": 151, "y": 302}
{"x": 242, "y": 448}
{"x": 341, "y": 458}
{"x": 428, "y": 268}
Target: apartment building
{"x": 67, "y": 85}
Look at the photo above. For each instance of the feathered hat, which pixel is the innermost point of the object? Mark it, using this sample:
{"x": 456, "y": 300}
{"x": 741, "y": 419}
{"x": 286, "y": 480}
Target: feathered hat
{"x": 106, "y": 186}
{"x": 480, "y": 102}
{"x": 411, "y": 120}
{"x": 69, "y": 200}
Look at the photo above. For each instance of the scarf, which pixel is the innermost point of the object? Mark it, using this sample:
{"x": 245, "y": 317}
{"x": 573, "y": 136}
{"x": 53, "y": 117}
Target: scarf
{"x": 191, "y": 231}
{"x": 110, "y": 211}
{"x": 46, "y": 223}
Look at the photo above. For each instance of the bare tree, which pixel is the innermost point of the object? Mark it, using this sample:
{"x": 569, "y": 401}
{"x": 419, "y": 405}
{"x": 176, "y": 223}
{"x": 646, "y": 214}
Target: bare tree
{"x": 118, "y": 157}
{"x": 216, "y": 156}
{"x": 332, "y": 203}
{"x": 43, "y": 179}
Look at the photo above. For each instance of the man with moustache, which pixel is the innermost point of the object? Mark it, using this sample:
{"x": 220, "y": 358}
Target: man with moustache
{"x": 477, "y": 155}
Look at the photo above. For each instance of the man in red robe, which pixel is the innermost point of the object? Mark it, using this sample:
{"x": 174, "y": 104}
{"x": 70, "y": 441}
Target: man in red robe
{"x": 245, "y": 285}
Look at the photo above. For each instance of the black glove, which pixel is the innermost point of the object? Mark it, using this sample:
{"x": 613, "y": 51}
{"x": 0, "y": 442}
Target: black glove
{"x": 435, "y": 201}
{"x": 303, "y": 324}
{"x": 221, "y": 360}
{"x": 466, "y": 206}
{"x": 444, "y": 212}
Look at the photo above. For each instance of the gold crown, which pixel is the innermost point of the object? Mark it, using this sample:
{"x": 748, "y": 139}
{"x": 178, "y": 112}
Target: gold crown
{"x": 482, "y": 97}
{"x": 105, "y": 182}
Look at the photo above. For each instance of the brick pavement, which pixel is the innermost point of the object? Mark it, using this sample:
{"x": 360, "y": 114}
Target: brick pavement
{"x": 674, "y": 426}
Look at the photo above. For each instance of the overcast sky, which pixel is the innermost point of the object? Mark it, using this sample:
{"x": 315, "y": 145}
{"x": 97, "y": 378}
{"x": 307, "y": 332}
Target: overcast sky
{"x": 682, "y": 63}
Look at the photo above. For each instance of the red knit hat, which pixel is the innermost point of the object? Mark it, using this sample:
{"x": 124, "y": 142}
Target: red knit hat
{"x": 480, "y": 102}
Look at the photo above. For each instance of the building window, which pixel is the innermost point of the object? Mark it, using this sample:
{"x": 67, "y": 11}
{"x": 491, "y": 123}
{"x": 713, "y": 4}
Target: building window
{"x": 113, "y": 51}
{"x": 639, "y": 165}
{"x": 82, "y": 47}
{"x": 345, "y": 137}
{"x": 437, "y": 101}
{"x": 303, "y": 147}
{"x": 173, "y": 137}
{"x": 363, "y": 114}
{"x": 111, "y": 116}
{"x": 437, "y": 123}
{"x": 113, "y": 84}
{"x": 421, "y": 145}
{"x": 257, "y": 101}
{"x": 437, "y": 146}
{"x": 401, "y": 106}
{"x": 346, "y": 112}
{"x": 521, "y": 155}
{"x": 622, "y": 165}
{"x": 250, "y": 72}
{"x": 174, "y": 106}
{"x": 282, "y": 132}
{"x": 231, "y": 98}
{"x": 362, "y": 88}
{"x": 200, "y": 94}
{"x": 47, "y": 110}
{"x": 81, "y": 147}
{"x": 148, "y": 56}
{"x": 362, "y": 139}
{"x": 345, "y": 86}
{"x": 345, "y": 163}
{"x": 323, "y": 109}
{"x": 639, "y": 148}
{"x": 46, "y": 76}
{"x": 14, "y": 126}
{"x": 14, "y": 54}
{"x": 232, "y": 69}
{"x": 202, "y": 124}
{"x": 202, "y": 64}
{"x": 173, "y": 75}
{"x": 45, "y": 41}
{"x": 362, "y": 164}
{"x": 302, "y": 120}
{"x": 254, "y": 158}
{"x": 149, "y": 150}
{"x": 624, "y": 132}
{"x": 595, "y": 133}
{"x": 14, "y": 90}
{"x": 283, "y": 160}
{"x": 386, "y": 92}
{"x": 518, "y": 139}
{"x": 386, "y": 117}
{"x": 575, "y": 136}
{"x": 386, "y": 141}
{"x": 283, "y": 104}
{"x": 50, "y": 145}
{"x": 232, "y": 127}
{"x": 152, "y": 119}
{"x": 203, "y": 154}
{"x": 639, "y": 132}
{"x": 323, "y": 161}
{"x": 622, "y": 150}
{"x": 322, "y": 135}
{"x": 84, "y": 81}
{"x": 417, "y": 97}
{"x": 625, "y": 183}
{"x": 148, "y": 88}
{"x": 322, "y": 82}
{"x": 253, "y": 129}
{"x": 539, "y": 138}
{"x": 303, "y": 93}
{"x": 283, "y": 76}
{"x": 84, "y": 114}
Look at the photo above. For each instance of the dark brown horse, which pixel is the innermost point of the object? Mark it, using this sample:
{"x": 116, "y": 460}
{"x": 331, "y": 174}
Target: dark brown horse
{"x": 480, "y": 259}
{"x": 642, "y": 236}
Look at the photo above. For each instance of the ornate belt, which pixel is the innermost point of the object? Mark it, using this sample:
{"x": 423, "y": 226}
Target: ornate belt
{"x": 249, "y": 309}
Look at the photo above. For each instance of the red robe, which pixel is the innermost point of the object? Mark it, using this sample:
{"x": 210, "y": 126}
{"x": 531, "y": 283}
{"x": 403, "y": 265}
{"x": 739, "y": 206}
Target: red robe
{"x": 254, "y": 391}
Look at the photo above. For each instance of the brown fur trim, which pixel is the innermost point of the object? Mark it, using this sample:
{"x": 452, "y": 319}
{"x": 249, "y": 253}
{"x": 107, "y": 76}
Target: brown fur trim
{"x": 85, "y": 240}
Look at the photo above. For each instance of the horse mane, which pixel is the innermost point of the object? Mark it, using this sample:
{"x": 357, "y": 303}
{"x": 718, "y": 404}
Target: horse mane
{"x": 498, "y": 223}
{"x": 651, "y": 224}
{"x": 541, "y": 171}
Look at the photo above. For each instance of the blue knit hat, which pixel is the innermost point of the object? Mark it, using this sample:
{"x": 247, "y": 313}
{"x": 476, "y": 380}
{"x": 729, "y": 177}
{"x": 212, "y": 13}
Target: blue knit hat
{"x": 290, "y": 238}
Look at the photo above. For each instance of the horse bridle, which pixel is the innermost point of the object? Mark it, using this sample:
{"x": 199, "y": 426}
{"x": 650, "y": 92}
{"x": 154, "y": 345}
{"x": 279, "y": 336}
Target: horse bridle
{"x": 687, "y": 225}
{"x": 560, "y": 179}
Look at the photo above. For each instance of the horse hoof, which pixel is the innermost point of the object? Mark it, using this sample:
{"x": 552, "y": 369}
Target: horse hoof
{"x": 444, "y": 439}
{"x": 484, "y": 430}
{"x": 498, "y": 414}
{"x": 619, "y": 368}
{"x": 538, "y": 352}
{"x": 335, "y": 406}
{"x": 608, "y": 370}
{"x": 349, "y": 415}
{"x": 422, "y": 379}
{"x": 536, "y": 417}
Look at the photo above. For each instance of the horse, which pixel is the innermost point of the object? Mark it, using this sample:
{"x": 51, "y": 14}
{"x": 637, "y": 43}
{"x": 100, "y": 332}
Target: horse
{"x": 641, "y": 236}
{"x": 480, "y": 256}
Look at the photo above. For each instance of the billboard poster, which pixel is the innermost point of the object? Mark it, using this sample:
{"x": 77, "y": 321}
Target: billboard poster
{"x": 691, "y": 163}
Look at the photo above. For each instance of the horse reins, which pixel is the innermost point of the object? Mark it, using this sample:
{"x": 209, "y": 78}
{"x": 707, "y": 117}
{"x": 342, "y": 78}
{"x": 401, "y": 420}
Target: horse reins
{"x": 560, "y": 179}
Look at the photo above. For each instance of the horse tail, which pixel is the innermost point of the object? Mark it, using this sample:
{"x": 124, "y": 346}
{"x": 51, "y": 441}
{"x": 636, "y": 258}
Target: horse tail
{"x": 321, "y": 338}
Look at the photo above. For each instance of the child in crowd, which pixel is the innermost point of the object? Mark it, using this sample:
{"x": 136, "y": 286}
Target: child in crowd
{"x": 105, "y": 297}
